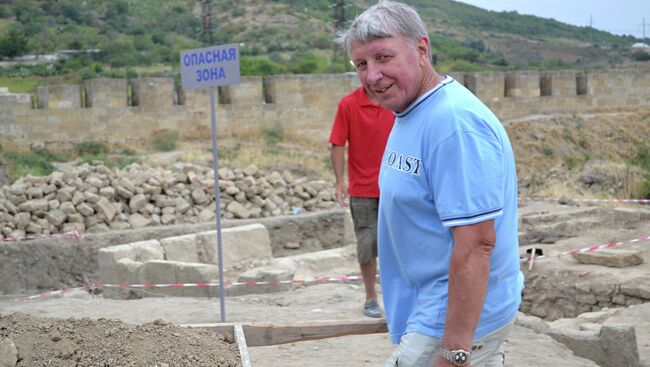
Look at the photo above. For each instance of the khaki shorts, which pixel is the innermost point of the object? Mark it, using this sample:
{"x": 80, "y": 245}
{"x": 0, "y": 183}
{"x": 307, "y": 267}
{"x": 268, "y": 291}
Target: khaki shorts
{"x": 364, "y": 216}
{"x": 419, "y": 350}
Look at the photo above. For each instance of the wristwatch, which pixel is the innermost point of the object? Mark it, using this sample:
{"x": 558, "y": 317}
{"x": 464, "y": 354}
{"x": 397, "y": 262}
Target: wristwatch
{"x": 458, "y": 357}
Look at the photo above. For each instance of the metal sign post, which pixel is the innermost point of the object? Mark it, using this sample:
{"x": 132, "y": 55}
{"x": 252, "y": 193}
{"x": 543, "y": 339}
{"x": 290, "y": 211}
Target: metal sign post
{"x": 208, "y": 68}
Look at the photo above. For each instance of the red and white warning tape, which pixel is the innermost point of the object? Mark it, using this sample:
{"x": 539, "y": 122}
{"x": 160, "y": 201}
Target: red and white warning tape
{"x": 586, "y": 249}
{"x": 344, "y": 278}
{"x": 71, "y": 234}
{"x": 636, "y": 201}
{"x": 50, "y": 294}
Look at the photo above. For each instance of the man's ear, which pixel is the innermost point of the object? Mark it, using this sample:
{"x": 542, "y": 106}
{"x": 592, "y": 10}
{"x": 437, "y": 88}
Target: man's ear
{"x": 424, "y": 47}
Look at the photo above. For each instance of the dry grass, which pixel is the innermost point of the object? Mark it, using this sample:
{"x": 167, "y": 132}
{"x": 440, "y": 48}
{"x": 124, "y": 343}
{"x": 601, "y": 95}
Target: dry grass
{"x": 553, "y": 151}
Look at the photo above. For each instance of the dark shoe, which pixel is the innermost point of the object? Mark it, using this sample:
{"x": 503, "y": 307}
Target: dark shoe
{"x": 371, "y": 309}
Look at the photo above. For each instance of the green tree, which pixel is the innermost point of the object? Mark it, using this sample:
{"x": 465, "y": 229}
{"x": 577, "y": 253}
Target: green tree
{"x": 13, "y": 44}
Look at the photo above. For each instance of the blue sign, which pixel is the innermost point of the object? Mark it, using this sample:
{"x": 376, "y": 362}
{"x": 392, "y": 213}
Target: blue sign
{"x": 210, "y": 67}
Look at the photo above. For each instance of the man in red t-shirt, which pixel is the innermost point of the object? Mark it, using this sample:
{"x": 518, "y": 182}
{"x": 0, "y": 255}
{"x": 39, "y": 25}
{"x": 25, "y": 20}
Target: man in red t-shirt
{"x": 365, "y": 126}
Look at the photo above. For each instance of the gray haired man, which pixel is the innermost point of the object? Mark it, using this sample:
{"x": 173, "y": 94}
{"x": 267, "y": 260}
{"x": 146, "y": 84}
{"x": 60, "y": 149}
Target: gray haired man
{"x": 447, "y": 225}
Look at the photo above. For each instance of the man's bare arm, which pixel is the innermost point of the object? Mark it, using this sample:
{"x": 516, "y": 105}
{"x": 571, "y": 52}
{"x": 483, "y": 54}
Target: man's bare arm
{"x": 337, "y": 153}
{"x": 469, "y": 272}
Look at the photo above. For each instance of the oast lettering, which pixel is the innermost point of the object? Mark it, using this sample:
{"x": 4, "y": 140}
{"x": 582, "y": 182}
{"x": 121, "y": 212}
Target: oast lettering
{"x": 398, "y": 161}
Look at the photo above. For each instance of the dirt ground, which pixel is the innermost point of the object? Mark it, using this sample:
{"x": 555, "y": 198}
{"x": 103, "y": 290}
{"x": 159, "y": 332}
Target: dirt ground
{"x": 553, "y": 159}
{"x": 334, "y": 301}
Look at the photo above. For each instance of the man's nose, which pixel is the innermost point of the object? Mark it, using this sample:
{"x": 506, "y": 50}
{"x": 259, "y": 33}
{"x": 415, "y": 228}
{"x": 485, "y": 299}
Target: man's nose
{"x": 374, "y": 73}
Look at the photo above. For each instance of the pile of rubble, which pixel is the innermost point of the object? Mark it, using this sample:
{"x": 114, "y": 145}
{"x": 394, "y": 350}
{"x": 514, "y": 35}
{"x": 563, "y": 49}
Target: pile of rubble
{"x": 92, "y": 198}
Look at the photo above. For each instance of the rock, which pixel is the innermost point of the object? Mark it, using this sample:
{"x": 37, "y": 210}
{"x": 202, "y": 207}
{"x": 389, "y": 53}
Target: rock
{"x": 637, "y": 287}
{"x": 106, "y": 209}
{"x": 8, "y": 353}
{"x": 199, "y": 197}
{"x": 138, "y": 221}
{"x": 206, "y": 215}
{"x": 607, "y": 345}
{"x": 182, "y": 205}
{"x": 532, "y": 322}
{"x": 34, "y": 206}
{"x": 85, "y": 209}
{"x": 73, "y": 227}
{"x": 617, "y": 258}
{"x": 276, "y": 180}
{"x": 34, "y": 193}
{"x": 238, "y": 210}
{"x": 107, "y": 192}
{"x": 56, "y": 217}
{"x": 17, "y": 189}
{"x": 292, "y": 245}
{"x": 137, "y": 202}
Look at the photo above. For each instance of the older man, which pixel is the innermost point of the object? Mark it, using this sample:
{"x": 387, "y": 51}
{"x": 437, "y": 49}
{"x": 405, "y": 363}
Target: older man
{"x": 447, "y": 227}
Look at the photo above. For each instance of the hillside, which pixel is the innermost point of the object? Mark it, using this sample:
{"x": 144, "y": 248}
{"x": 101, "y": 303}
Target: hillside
{"x": 281, "y": 36}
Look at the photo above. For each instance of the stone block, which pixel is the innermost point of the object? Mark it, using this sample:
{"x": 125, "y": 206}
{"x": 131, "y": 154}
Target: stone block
{"x": 60, "y": 96}
{"x": 522, "y": 84}
{"x": 160, "y": 272}
{"x": 488, "y": 87}
{"x": 148, "y": 250}
{"x": 242, "y": 246}
{"x": 197, "y": 273}
{"x": 616, "y": 258}
{"x": 637, "y": 287}
{"x": 608, "y": 346}
{"x": 181, "y": 248}
{"x": 106, "y": 92}
{"x": 532, "y": 322}
{"x": 127, "y": 272}
{"x": 267, "y": 273}
{"x": 109, "y": 271}
{"x": 153, "y": 95}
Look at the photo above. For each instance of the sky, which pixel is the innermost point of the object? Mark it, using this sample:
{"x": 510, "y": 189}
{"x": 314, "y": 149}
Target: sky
{"x": 614, "y": 16}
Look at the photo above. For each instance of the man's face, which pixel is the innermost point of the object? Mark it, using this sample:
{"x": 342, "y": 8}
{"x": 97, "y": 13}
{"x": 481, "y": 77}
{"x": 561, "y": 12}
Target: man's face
{"x": 391, "y": 70}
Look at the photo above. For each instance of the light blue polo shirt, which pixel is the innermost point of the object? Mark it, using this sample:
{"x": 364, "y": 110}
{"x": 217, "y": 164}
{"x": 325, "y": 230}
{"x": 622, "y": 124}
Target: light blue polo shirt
{"x": 448, "y": 162}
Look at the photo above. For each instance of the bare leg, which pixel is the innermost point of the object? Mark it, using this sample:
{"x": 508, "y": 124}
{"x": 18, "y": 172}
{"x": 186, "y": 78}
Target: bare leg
{"x": 369, "y": 272}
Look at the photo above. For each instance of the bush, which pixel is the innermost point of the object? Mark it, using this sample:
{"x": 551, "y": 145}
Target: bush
{"x": 640, "y": 55}
{"x": 273, "y": 134}
{"x": 23, "y": 164}
{"x": 92, "y": 148}
{"x": 642, "y": 158}
{"x": 548, "y": 151}
{"x": 166, "y": 141}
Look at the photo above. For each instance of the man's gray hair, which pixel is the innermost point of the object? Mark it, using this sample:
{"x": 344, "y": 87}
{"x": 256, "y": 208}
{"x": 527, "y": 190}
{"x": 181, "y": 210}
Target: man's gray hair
{"x": 383, "y": 20}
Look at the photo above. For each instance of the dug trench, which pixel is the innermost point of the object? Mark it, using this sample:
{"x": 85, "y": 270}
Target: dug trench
{"x": 572, "y": 305}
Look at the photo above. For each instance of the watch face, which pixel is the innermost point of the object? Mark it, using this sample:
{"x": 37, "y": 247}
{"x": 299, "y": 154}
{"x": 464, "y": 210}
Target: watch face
{"x": 461, "y": 358}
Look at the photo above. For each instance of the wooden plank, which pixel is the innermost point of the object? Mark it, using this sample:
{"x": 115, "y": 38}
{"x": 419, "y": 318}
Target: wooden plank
{"x": 258, "y": 334}
{"x": 240, "y": 339}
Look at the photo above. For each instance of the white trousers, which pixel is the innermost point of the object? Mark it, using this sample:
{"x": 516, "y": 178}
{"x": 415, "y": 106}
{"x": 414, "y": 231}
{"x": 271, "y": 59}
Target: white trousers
{"x": 419, "y": 350}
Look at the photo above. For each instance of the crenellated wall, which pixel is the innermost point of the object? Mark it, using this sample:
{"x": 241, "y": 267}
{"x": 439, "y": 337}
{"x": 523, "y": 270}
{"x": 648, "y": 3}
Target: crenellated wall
{"x": 121, "y": 111}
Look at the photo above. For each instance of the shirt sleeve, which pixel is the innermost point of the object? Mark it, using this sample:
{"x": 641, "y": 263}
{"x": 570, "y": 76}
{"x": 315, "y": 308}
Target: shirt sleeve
{"x": 469, "y": 179}
{"x": 341, "y": 127}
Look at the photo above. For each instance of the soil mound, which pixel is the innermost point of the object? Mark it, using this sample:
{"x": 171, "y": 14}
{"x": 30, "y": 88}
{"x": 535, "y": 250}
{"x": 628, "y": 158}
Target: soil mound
{"x": 85, "y": 342}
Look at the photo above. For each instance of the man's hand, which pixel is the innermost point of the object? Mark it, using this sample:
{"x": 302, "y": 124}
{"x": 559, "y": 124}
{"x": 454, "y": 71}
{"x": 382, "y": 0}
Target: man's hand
{"x": 337, "y": 154}
{"x": 441, "y": 362}
{"x": 342, "y": 195}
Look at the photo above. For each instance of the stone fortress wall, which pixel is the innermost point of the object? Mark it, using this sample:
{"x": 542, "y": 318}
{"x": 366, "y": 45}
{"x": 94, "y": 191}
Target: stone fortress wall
{"x": 120, "y": 111}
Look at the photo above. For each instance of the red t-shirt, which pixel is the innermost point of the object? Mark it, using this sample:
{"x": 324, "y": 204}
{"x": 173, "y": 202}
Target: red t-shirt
{"x": 366, "y": 127}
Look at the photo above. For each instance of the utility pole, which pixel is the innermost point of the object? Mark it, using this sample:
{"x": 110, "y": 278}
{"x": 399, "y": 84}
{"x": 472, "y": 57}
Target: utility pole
{"x": 206, "y": 18}
{"x": 338, "y": 7}
{"x": 591, "y": 23}
{"x": 643, "y": 26}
